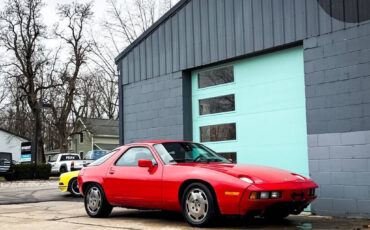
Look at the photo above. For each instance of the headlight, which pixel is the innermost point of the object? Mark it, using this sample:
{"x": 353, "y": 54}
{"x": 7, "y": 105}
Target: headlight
{"x": 275, "y": 194}
{"x": 264, "y": 195}
{"x": 299, "y": 177}
{"x": 246, "y": 179}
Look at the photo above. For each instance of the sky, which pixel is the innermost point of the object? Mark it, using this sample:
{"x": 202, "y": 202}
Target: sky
{"x": 49, "y": 12}
{"x": 50, "y": 16}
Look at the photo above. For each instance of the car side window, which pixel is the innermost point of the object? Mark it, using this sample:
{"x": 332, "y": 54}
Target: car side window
{"x": 132, "y": 156}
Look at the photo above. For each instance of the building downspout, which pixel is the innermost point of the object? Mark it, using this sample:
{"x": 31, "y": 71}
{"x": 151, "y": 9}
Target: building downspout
{"x": 121, "y": 105}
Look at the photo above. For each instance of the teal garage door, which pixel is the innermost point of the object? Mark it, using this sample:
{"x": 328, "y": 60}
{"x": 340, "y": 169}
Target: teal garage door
{"x": 254, "y": 110}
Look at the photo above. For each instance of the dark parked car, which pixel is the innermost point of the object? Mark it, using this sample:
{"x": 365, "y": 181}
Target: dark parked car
{"x": 6, "y": 169}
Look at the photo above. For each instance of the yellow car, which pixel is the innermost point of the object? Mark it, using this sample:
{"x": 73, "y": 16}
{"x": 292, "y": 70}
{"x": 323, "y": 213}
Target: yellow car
{"x": 68, "y": 182}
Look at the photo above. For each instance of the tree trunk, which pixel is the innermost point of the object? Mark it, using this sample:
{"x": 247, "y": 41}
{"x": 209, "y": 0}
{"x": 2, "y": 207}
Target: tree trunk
{"x": 63, "y": 137}
{"x": 38, "y": 132}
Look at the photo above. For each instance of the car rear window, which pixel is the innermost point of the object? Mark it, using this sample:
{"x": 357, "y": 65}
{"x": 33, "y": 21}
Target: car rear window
{"x": 69, "y": 157}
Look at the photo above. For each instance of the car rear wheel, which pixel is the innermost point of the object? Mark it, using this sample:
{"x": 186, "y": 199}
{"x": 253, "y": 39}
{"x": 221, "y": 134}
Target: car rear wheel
{"x": 198, "y": 205}
{"x": 73, "y": 187}
{"x": 62, "y": 170}
{"x": 96, "y": 204}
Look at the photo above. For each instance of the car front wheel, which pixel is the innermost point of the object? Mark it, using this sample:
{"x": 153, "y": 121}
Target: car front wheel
{"x": 96, "y": 204}
{"x": 198, "y": 205}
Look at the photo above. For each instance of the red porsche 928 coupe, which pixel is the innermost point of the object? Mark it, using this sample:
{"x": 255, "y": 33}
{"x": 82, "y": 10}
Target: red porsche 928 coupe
{"x": 189, "y": 177}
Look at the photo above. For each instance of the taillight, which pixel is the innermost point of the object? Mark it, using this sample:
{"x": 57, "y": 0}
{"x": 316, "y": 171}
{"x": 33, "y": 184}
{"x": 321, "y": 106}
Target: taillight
{"x": 73, "y": 164}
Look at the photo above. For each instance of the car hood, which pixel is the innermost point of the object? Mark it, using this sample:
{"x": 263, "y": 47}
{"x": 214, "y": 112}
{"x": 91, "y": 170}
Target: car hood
{"x": 259, "y": 174}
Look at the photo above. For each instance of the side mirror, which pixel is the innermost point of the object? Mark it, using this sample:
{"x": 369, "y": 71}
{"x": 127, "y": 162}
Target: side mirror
{"x": 146, "y": 164}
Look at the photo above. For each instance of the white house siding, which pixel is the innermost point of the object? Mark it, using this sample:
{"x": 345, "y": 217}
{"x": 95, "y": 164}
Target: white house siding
{"x": 12, "y": 144}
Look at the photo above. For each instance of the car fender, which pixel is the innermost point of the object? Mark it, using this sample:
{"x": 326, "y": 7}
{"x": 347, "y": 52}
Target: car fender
{"x": 228, "y": 189}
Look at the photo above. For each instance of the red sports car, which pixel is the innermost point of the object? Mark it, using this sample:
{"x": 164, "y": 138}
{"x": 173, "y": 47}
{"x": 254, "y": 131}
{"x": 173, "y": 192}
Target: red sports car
{"x": 189, "y": 177}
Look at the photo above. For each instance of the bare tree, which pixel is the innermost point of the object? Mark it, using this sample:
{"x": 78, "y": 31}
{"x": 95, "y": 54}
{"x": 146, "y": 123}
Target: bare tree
{"x": 125, "y": 21}
{"x": 22, "y": 34}
{"x": 76, "y": 16}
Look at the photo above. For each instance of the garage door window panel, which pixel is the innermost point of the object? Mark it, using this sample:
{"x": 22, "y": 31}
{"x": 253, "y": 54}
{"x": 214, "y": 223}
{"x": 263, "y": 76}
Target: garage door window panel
{"x": 230, "y": 156}
{"x": 215, "y": 77}
{"x": 217, "y": 105}
{"x": 222, "y": 132}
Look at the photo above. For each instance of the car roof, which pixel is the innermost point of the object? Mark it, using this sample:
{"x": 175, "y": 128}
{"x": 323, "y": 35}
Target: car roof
{"x": 159, "y": 142}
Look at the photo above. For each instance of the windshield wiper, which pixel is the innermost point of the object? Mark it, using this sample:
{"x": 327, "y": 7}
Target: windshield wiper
{"x": 214, "y": 160}
{"x": 181, "y": 160}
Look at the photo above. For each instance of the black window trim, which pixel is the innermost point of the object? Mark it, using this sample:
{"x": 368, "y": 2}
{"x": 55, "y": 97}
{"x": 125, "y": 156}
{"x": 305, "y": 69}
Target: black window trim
{"x": 132, "y": 147}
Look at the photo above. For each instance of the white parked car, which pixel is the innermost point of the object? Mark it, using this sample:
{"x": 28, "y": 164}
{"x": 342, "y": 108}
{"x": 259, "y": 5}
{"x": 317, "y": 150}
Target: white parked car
{"x": 65, "y": 162}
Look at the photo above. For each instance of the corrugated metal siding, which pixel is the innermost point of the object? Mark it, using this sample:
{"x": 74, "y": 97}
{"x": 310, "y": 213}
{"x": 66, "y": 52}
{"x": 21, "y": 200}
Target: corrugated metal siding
{"x": 208, "y": 31}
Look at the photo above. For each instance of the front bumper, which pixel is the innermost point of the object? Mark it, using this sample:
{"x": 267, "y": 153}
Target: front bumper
{"x": 295, "y": 197}
{"x": 63, "y": 188}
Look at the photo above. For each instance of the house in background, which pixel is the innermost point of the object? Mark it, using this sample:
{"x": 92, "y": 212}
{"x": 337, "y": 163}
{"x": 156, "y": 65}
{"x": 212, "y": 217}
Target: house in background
{"x": 94, "y": 134}
{"x": 11, "y": 143}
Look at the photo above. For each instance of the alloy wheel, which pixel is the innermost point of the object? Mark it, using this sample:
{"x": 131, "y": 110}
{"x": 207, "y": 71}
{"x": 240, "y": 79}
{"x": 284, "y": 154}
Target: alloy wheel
{"x": 94, "y": 200}
{"x": 197, "y": 205}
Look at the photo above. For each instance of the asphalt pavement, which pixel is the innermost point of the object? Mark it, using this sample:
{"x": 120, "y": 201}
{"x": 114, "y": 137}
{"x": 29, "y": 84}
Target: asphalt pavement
{"x": 32, "y": 192}
{"x": 40, "y": 205}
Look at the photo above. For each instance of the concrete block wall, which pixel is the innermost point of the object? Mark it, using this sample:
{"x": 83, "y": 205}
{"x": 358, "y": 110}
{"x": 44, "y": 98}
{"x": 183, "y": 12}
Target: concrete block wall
{"x": 340, "y": 164}
{"x": 153, "y": 109}
{"x": 337, "y": 76}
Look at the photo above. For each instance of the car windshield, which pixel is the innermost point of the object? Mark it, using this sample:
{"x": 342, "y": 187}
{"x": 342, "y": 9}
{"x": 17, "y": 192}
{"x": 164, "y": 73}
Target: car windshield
{"x": 183, "y": 152}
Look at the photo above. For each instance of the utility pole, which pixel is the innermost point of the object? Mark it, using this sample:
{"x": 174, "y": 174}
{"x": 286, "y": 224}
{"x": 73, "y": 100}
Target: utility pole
{"x": 34, "y": 147}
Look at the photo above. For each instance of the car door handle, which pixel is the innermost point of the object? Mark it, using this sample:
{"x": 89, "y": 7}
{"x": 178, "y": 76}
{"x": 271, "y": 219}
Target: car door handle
{"x": 111, "y": 171}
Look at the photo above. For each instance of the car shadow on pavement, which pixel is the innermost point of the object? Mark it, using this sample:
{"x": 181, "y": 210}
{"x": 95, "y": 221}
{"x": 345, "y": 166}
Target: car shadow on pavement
{"x": 224, "y": 222}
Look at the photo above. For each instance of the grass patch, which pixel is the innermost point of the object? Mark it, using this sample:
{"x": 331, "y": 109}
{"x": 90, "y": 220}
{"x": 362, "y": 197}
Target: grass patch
{"x": 2, "y": 179}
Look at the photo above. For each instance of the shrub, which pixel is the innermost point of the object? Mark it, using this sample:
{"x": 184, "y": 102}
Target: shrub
{"x": 31, "y": 171}
{"x": 42, "y": 171}
{"x": 23, "y": 171}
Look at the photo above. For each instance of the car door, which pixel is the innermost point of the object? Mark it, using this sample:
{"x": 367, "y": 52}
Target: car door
{"x": 133, "y": 186}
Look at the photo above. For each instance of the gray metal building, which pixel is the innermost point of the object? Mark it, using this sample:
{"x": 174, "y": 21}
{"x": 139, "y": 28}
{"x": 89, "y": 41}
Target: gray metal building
{"x": 300, "y": 75}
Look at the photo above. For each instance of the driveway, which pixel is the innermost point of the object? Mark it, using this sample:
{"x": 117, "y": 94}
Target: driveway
{"x": 20, "y": 192}
{"x": 40, "y": 205}
{"x": 71, "y": 215}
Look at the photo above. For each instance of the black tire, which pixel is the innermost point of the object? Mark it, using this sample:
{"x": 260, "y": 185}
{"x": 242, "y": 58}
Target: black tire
{"x": 62, "y": 170}
{"x": 96, "y": 204}
{"x": 73, "y": 187}
{"x": 199, "y": 206}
